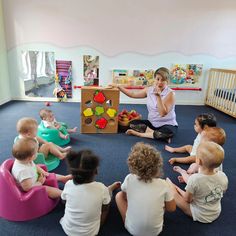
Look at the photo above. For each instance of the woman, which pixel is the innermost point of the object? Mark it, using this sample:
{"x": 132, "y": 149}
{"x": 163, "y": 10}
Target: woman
{"x": 161, "y": 123}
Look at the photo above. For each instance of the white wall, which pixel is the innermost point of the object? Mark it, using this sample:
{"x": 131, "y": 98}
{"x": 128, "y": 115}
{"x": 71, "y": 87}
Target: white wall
{"x": 126, "y": 34}
{"x": 4, "y": 78}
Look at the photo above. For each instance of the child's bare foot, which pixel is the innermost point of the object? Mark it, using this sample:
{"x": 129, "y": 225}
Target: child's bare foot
{"x": 114, "y": 186}
{"x": 179, "y": 169}
{"x": 65, "y": 136}
{"x": 169, "y": 149}
{"x": 181, "y": 179}
{"x": 67, "y": 149}
{"x": 74, "y": 130}
{"x": 172, "y": 160}
{"x": 193, "y": 168}
{"x": 63, "y": 156}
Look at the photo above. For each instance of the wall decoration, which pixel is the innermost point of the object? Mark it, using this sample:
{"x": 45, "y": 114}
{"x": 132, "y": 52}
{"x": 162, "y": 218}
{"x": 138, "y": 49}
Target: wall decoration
{"x": 91, "y": 70}
{"x": 63, "y": 79}
{"x": 185, "y": 75}
{"x": 99, "y": 107}
{"x": 133, "y": 77}
{"x": 38, "y": 71}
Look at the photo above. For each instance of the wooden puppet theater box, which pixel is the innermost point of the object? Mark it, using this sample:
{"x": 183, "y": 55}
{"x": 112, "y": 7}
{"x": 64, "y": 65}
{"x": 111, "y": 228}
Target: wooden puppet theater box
{"x": 99, "y": 109}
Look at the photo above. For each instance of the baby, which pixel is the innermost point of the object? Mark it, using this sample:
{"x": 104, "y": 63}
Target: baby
{"x": 27, "y": 127}
{"x": 49, "y": 121}
{"x": 26, "y": 173}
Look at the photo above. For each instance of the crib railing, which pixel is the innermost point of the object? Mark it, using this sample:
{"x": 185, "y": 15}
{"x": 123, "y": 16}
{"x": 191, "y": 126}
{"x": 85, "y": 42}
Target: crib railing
{"x": 221, "y": 91}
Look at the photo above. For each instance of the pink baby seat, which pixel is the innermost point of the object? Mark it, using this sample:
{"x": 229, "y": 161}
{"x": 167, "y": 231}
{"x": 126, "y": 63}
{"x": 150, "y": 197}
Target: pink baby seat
{"x": 17, "y": 205}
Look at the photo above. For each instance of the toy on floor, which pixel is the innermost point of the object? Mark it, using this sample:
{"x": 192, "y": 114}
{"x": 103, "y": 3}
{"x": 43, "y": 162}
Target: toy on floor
{"x": 17, "y": 205}
{"x": 47, "y": 104}
{"x": 125, "y": 117}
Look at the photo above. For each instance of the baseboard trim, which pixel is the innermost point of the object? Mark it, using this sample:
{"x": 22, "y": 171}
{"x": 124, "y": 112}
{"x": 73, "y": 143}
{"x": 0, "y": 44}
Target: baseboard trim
{"x": 5, "y": 101}
{"x": 132, "y": 101}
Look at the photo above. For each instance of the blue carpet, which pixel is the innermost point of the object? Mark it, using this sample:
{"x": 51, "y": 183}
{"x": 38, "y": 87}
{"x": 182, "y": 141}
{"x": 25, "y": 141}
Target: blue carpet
{"x": 113, "y": 150}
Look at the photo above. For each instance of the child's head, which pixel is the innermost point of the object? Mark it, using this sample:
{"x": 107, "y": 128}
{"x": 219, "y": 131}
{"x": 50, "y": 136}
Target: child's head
{"x": 25, "y": 148}
{"x": 204, "y": 120}
{"x": 214, "y": 134}
{"x": 27, "y": 127}
{"x": 145, "y": 161}
{"x": 210, "y": 155}
{"x": 46, "y": 114}
{"x": 82, "y": 165}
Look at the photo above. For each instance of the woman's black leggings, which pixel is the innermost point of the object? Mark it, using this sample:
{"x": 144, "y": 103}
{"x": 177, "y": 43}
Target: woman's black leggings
{"x": 161, "y": 133}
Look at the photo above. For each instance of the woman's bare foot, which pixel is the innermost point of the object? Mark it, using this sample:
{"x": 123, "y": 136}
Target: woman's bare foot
{"x": 172, "y": 160}
{"x": 135, "y": 133}
{"x": 130, "y": 132}
{"x": 179, "y": 170}
{"x": 169, "y": 149}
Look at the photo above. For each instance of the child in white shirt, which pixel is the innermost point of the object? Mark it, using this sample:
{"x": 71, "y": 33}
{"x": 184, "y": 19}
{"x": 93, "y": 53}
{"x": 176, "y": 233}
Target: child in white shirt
{"x": 204, "y": 190}
{"x": 144, "y": 196}
{"x": 49, "y": 121}
{"x": 201, "y": 122}
{"x": 214, "y": 134}
{"x": 87, "y": 201}
{"x": 26, "y": 173}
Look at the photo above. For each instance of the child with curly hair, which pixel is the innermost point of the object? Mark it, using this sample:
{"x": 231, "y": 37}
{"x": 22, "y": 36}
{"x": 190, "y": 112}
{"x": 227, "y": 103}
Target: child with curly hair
{"x": 202, "y": 121}
{"x": 144, "y": 196}
{"x": 87, "y": 201}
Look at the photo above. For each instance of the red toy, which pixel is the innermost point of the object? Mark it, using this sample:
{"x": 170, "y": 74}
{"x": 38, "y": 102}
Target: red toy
{"x": 47, "y": 104}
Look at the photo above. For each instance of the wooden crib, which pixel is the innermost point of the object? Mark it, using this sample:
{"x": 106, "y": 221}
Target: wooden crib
{"x": 221, "y": 91}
